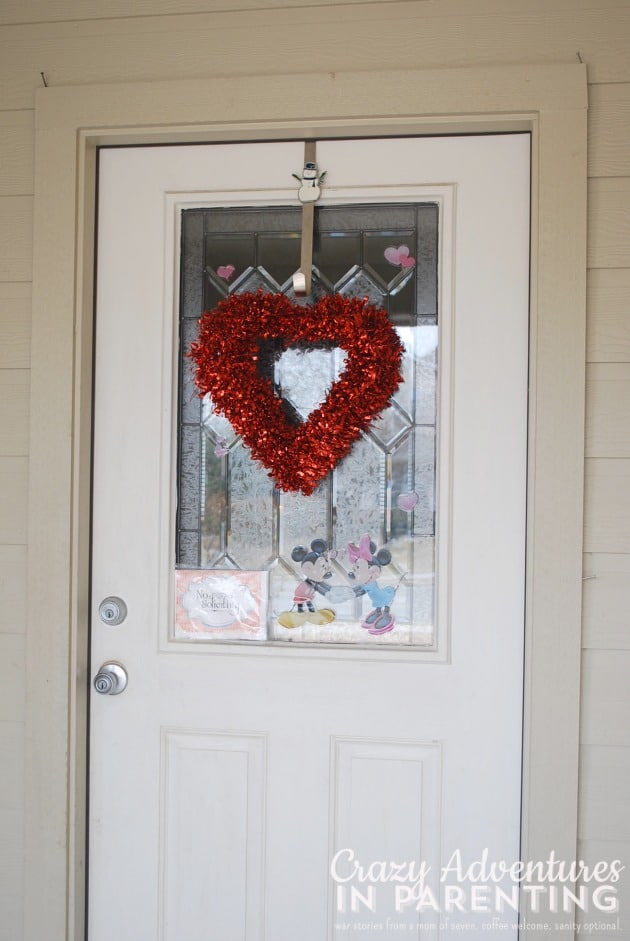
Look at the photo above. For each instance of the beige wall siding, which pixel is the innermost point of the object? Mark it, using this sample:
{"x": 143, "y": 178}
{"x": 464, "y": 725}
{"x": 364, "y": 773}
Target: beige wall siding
{"x": 604, "y": 822}
{"x": 90, "y": 41}
{"x": 608, "y": 325}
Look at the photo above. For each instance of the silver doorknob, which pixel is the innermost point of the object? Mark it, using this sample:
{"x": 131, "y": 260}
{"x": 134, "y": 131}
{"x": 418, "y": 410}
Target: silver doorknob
{"x": 112, "y": 611}
{"x": 111, "y": 679}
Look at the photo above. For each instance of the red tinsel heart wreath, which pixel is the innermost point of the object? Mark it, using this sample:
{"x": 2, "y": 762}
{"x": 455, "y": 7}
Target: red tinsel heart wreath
{"x": 228, "y": 352}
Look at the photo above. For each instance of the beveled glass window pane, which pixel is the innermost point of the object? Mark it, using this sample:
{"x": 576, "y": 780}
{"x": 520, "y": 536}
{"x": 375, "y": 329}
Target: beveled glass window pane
{"x": 230, "y": 515}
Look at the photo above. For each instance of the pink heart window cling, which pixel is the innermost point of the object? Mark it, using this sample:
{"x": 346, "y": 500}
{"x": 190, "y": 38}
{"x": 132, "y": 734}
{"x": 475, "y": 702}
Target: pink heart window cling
{"x": 399, "y": 256}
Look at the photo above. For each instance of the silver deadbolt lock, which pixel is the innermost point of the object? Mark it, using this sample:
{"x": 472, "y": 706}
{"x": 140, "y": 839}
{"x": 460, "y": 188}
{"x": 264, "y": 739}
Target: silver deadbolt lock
{"x": 112, "y": 611}
{"x": 111, "y": 679}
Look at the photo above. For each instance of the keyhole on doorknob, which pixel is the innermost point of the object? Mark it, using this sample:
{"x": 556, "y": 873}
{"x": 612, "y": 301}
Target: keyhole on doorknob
{"x": 111, "y": 679}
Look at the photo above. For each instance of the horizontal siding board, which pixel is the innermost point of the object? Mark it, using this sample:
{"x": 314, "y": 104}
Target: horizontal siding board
{"x": 233, "y": 99}
{"x": 15, "y": 333}
{"x": 609, "y": 130}
{"x": 16, "y": 153}
{"x": 607, "y": 505}
{"x": 12, "y": 677}
{"x": 11, "y": 923}
{"x": 16, "y": 238}
{"x": 13, "y": 500}
{"x": 609, "y": 223}
{"x": 605, "y": 698}
{"x": 13, "y": 589}
{"x": 594, "y": 922}
{"x": 608, "y": 317}
{"x": 608, "y": 410}
{"x": 15, "y": 290}
{"x": 16, "y": 11}
{"x": 15, "y": 325}
{"x": 50, "y": 11}
{"x": 11, "y": 848}
{"x": 610, "y": 852}
{"x": 12, "y": 764}
{"x": 604, "y": 812}
{"x": 14, "y": 409}
{"x": 591, "y": 851}
{"x": 281, "y": 41}
{"x": 606, "y": 601}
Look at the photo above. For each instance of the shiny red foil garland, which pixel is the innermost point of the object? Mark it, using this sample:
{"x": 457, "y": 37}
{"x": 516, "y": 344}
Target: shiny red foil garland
{"x": 227, "y": 355}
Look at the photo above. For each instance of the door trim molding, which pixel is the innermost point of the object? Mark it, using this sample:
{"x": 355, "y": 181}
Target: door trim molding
{"x": 71, "y": 123}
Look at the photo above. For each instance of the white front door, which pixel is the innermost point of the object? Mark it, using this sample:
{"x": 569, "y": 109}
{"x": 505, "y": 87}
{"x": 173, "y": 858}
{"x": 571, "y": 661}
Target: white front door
{"x": 242, "y": 788}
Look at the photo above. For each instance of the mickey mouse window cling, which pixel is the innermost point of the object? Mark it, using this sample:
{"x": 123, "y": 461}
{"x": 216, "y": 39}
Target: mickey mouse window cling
{"x": 315, "y": 566}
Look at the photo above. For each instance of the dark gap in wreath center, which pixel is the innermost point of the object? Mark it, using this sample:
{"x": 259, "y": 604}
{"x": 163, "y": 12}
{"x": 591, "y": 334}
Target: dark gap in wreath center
{"x": 301, "y": 374}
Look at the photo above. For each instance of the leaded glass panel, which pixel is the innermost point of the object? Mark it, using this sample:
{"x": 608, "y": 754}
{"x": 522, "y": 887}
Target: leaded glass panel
{"x": 380, "y": 500}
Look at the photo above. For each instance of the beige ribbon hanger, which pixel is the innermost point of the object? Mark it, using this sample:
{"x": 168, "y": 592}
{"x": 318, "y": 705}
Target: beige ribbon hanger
{"x": 308, "y": 194}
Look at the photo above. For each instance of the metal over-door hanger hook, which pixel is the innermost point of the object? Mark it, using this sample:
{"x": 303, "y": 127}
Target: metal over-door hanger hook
{"x": 308, "y": 194}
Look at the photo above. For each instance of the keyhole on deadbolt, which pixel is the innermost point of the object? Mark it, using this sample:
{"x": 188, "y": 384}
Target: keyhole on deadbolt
{"x": 112, "y": 611}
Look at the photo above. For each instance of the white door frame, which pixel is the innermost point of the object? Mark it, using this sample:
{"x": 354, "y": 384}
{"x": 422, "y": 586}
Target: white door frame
{"x": 71, "y": 123}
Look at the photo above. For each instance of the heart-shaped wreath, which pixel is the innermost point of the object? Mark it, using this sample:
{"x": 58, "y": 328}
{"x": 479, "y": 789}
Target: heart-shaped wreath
{"x": 247, "y": 331}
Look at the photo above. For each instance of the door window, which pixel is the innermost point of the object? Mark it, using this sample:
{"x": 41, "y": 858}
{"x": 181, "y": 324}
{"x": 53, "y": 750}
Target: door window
{"x": 354, "y": 562}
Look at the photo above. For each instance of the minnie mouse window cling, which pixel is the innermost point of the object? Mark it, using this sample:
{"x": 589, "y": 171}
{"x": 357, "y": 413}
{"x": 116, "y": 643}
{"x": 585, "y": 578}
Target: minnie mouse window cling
{"x": 367, "y": 564}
